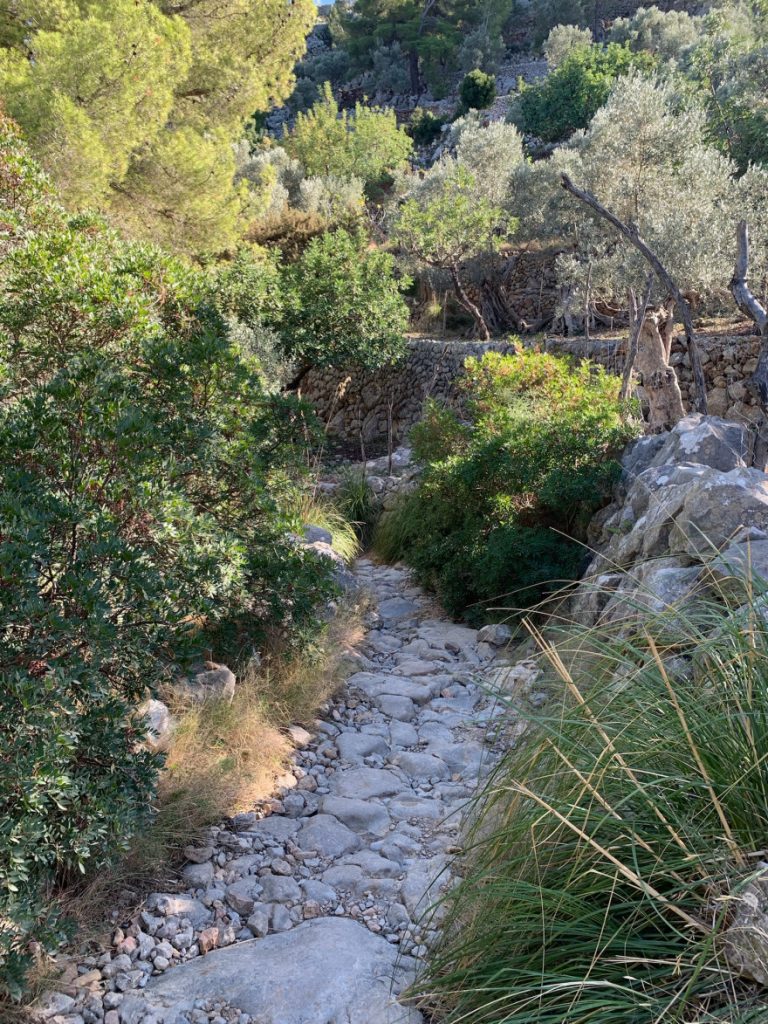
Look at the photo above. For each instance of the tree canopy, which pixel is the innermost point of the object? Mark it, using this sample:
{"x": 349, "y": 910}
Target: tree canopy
{"x": 132, "y": 105}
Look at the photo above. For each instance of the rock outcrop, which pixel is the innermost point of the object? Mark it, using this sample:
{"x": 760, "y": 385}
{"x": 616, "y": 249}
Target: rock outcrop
{"x": 691, "y": 514}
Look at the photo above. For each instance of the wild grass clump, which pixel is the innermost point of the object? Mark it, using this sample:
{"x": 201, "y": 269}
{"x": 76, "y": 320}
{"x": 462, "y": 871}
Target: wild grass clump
{"x": 314, "y": 509}
{"x": 358, "y": 504}
{"x": 621, "y": 838}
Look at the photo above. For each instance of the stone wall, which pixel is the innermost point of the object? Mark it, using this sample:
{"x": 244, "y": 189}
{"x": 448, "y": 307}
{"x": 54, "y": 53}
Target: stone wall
{"x": 361, "y": 402}
{"x": 728, "y": 362}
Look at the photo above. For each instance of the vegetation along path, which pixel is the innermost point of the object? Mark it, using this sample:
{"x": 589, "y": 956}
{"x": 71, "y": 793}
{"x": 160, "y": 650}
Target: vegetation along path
{"x": 314, "y": 913}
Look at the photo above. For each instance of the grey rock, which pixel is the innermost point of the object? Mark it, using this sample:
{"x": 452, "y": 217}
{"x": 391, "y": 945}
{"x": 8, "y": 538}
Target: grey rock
{"x": 497, "y": 634}
{"x": 401, "y": 708}
{"x": 215, "y": 682}
{"x": 171, "y": 905}
{"x": 280, "y": 919}
{"x": 279, "y": 889}
{"x": 354, "y": 746}
{"x": 318, "y": 891}
{"x": 397, "y": 608}
{"x": 402, "y": 734}
{"x": 258, "y": 922}
{"x": 241, "y": 896}
{"x": 365, "y": 783}
{"x": 159, "y": 724}
{"x": 346, "y": 974}
{"x": 422, "y": 766}
{"x": 707, "y": 441}
{"x": 327, "y": 836}
{"x": 198, "y": 875}
{"x": 313, "y": 534}
{"x": 359, "y": 815}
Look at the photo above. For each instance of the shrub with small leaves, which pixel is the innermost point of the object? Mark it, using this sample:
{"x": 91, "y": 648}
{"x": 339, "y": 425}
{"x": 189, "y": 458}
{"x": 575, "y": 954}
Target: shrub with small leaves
{"x": 478, "y": 90}
{"x": 143, "y": 521}
{"x": 504, "y": 500}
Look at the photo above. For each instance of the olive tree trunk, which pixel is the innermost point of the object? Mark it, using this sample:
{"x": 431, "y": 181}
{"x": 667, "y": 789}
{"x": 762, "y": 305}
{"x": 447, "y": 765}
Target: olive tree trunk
{"x": 630, "y": 232}
{"x": 753, "y": 308}
{"x": 469, "y": 305}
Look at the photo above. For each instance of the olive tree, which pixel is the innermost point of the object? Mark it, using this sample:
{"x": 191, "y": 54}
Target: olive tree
{"x": 448, "y": 223}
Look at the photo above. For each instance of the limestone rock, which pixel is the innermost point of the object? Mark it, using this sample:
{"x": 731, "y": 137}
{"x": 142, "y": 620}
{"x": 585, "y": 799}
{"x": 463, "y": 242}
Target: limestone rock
{"x": 159, "y": 724}
{"x": 214, "y": 682}
{"x": 327, "y": 836}
{"x": 327, "y": 969}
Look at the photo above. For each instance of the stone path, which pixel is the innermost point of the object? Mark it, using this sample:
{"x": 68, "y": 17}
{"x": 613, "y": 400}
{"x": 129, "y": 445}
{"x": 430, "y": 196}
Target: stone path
{"x": 309, "y": 910}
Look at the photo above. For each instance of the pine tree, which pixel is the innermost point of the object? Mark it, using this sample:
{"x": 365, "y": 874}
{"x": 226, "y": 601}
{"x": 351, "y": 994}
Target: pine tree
{"x": 132, "y": 106}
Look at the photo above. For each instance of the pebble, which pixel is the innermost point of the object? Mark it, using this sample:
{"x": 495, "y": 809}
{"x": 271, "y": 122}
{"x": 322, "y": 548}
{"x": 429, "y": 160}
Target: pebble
{"x": 355, "y": 832}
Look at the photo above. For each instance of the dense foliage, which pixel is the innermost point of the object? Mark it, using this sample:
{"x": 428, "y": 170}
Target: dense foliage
{"x": 477, "y": 90}
{"x": 132, "y": 105}
{"x": 343, "y": 305}
{"x": 569, "y": 97}
{"x": 505, "y": 499}
{"x": 366, "y": 144}
{"x": 144, "y": 483}
{"x": 432, "y": 41}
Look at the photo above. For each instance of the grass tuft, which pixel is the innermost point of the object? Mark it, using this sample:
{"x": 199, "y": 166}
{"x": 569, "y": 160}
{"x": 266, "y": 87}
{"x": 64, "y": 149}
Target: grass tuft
{"x": 617, "y": 842}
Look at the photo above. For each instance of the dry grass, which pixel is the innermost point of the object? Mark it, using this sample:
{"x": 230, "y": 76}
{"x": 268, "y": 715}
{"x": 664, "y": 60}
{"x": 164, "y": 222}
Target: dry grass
{"x": 224, "y": 758}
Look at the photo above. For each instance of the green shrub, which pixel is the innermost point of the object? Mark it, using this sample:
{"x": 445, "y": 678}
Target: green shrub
{"x": 477, "y": 90}
{"x": 357, "y": 502}
{"x": 569, "y": 97}
{"x": 425, "y": 128}
{"x": 343, "y": 304}
{"x": 616, "y": 841}
{"x": 503, "y": 502}
{"x": 143, "y": 522}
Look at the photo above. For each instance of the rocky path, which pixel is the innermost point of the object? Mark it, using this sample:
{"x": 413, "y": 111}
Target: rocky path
{"x": 310, "y": 910}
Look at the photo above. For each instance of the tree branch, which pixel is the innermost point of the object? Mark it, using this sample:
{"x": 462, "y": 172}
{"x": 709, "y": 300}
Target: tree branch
{"x": 742, "y": 293}
{"x": 630, "y": 232}
{"x": 750, "y": 305}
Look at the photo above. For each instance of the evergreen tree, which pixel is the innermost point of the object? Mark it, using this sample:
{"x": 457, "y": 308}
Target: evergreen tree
{"x": 430, "y": 33}
{"x": 132, "y": 105}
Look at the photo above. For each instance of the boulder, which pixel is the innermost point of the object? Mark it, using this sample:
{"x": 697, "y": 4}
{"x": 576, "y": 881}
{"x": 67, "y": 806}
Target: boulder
{"x": 327, "y": 969}
{"x": 313, "y": 534}
{"x": 745, "y": 941}
{"x": 707, "y": 441}
{"x": 159, "y": 724}
{"x": 212, "y": 682}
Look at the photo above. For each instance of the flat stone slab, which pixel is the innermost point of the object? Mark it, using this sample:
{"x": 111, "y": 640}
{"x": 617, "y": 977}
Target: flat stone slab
{"x": 396, "y": 608}
{"x": 364, "y": 783}
{"x": 330, "y": 970}
{"x": 375, "y": 684}
{"x": 359, "y": 815}
{"x": 327, "y": 836}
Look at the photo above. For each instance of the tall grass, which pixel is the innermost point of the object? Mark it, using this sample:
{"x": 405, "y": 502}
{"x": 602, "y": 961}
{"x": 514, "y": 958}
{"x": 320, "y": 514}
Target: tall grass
{"x": 317, "y": 510}
{"x": 223, "y": 757}
{"x": 617, "y": 840}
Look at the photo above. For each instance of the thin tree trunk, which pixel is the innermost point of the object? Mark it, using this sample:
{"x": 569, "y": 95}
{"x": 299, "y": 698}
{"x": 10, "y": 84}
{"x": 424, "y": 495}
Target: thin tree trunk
{"x": 637, "y": 315}
{"x": 659, "y": 379}
{"x": 631, "y": 233}
{"x": 751, "y": 307}
{"x": 469, "y": 305}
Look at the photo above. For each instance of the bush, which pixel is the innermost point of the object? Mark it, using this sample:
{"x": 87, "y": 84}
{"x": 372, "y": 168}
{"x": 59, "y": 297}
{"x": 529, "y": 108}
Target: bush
{"x": 617, "y": 840}
{"x": 343, "y": 305}
{"x": 367, "y": 144}
{"x": 142, "y": 522}
{"x": 425, "y": 128}
{"x": 478, "y": 90}
{"x": 504, "y": 501}
{"x": 568, "y": 98}
{"x": 562, "y": 41}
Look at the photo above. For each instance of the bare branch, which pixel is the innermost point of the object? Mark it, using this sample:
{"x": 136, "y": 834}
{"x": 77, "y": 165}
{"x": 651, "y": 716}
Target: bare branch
{"x": 742, "y": 293}
{"x": 631, "y": 233}
{"x": 634, "y": 339}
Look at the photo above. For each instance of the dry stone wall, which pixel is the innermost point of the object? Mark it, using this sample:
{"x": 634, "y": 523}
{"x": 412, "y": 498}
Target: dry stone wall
{"x": 727, "y": 361}
{"x": 356, "y": 403}
{"x": 363, "y": 403}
